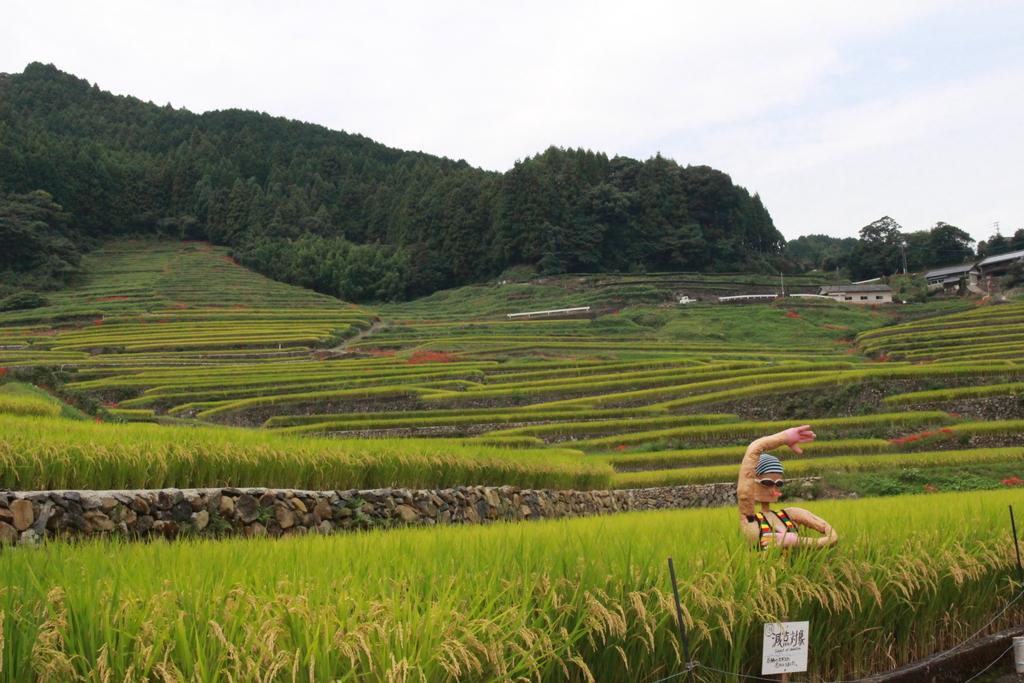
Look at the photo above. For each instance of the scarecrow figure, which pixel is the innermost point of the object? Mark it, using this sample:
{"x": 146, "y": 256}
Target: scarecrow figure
{"x": 760, "y": 485}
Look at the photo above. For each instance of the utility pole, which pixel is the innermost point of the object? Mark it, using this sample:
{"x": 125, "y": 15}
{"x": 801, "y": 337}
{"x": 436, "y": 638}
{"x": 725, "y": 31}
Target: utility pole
{"x": 903, "y": 250}
{"x": 782, "y": 281}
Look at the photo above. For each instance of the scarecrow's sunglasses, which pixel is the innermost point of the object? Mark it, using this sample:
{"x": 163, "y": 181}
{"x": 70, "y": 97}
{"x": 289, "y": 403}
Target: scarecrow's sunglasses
{"x": 771, "y": 482}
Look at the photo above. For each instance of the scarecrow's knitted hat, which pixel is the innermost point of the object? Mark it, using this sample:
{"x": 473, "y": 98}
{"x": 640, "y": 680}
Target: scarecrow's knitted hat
{"x": 768, "y": 464}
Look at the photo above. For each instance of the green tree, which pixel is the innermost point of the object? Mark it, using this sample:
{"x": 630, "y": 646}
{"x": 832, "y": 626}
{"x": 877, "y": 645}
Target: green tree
{"x": 878, "y": 250}
{"x": 34, "y": 238}
{"x": 298, "y": 201}
{"x": 822, "y": 252}
{"x": 919, "y": 250}
{"x": 1017, "y": 241}
{"x": 949, "y": 245}
{"x": 994, "y": 245}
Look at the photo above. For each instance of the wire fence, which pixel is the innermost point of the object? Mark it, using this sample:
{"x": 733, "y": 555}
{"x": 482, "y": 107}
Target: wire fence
{"x": 693, "y": 666}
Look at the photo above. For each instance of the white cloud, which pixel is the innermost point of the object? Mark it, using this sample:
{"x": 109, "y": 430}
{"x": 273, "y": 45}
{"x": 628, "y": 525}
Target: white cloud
{"x": 702, "y": 82}
{"x": 949, "y": 152}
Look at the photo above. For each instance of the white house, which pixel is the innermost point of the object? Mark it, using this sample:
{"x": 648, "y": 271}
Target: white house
{"x": 858, "y": 293}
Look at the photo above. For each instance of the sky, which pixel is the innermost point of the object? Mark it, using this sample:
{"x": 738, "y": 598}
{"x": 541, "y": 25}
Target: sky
{"x": 835, "y": 112}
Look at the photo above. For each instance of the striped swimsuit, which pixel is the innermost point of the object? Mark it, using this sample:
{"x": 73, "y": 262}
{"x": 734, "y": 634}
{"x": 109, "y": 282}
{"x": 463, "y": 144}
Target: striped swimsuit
{"x": 766, "y": 531}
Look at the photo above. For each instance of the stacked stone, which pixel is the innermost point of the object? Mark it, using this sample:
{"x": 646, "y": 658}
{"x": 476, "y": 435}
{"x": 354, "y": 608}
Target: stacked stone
{"x": 27, "y": 517}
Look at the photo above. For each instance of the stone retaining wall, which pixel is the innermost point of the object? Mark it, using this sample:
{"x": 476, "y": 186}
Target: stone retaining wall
{"x": 29, "y": 516}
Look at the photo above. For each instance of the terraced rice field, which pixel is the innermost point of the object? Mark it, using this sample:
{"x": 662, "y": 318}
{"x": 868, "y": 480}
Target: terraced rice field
{"x": 257, "y": 383}
{"x": 179, "y": 334}
{"x": 175, "y": 305}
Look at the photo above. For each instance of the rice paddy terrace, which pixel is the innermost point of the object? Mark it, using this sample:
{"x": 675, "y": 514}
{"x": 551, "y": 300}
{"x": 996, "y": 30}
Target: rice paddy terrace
{"x": 189, "y": 370}
{"x": 646, "y": 395}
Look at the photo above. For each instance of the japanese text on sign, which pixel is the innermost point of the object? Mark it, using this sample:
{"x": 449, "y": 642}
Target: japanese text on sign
{"x": 785, "y": 647}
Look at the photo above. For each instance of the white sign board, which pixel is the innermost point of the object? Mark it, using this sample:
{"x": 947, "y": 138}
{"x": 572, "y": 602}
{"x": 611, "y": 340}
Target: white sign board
{"x": 785, "y": 647}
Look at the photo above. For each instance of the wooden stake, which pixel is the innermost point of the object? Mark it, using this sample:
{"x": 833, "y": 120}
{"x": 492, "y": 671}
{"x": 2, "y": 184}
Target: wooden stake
{"x": 679, "y": 618}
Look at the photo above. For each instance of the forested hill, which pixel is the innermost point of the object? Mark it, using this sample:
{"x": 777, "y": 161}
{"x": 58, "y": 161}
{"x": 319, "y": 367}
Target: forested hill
{"x": 335, "y": 211}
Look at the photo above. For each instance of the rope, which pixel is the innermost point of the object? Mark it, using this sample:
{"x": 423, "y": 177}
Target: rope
{"x": 765, "y": 678}
{"x": 990, "y": 664}
{"x": 686, "y": 669}
{"x": 669, "y": 678}
{"x": 990, "y": 622}
{"x": 697, "y": 665}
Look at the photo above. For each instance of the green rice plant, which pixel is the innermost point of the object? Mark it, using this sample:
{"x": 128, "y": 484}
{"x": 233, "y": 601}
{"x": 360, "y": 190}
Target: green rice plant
{"x": 618, "y": 426}
{"x": 417, "y": 417}
{"x": 922, "y": 338}
{"x": 879, "y": 421}
{"x": 43, "y": 453}
{"x": 187, "y": 408}
{"x": 960, "y": 351}
{"x": 954, "y": 393}
{"x": 809, "y": 381}
{"x": 822, "y": 466}
{"x": 257, "y": 374}
{"x": 504, "y": 441}
{"x": 23, "y": 399}
{"x": 132, "y": 414}
{"x": 588, "y": 369}
{"x": 718, "y": 371}
{"x": 167, "y": 396}
{"x": 925, "y": 350}
{"x": 595, "y": 392}
{"x": 960, "y": 432}
{"x": 206, "y": 343}
{"x": 695, "y": 457}
{"x": 312, "y": 424}
{"x": 697, "y": 392}
{"x": 994, "y": 314}
{"x": 277, "y": 400}
{"x": 27, "y": 405}
{"x": 28, "y": 357}
{"x": 584, "y": 600}
{"x": 987, "y": 427}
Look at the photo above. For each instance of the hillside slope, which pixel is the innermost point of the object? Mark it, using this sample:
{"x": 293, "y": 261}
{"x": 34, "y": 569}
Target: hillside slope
{"x": 340, "y": 213}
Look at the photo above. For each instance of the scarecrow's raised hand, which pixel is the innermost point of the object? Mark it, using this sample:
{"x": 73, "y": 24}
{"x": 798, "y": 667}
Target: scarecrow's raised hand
{"x": 798, "y": 435}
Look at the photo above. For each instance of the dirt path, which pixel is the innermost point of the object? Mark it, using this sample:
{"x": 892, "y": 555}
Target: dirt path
{"x": 376, "y": 326}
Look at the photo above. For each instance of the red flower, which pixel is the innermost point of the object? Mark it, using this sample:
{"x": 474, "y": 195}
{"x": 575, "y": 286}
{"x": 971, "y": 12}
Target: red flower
{"x": 621, "y": 447}
{"x": 430, "y": 357}
{"x": 911, "y": 438}
{"x": 1013, "y": 481}
{"x": 929, "y": 488}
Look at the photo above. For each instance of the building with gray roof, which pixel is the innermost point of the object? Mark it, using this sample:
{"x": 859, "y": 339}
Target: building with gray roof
{"x": 858, "y": 293}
